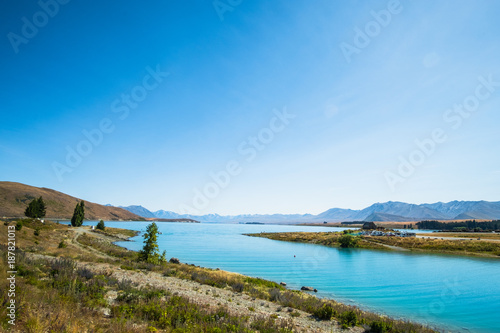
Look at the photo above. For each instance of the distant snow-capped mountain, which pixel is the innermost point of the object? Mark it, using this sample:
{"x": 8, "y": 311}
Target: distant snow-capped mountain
{"x": 473, "y": 209}
{"x": 392, "y": 210}
{"x": 401, "y": 209}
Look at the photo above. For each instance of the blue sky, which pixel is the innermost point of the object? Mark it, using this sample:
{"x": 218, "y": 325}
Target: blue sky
{"x": 348, "y": 121}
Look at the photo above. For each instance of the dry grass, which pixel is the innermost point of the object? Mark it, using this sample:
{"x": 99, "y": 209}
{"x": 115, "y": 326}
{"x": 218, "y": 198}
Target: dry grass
{"x": 384, "y": 224}
{"x": 105, "y": 246}
{"x": 470, "y": 235}
{"x": 322, "y": 238}
{"x": 117, "y": 232}
{"x": 48, "y": 240}
{"x": 461, "y": 247}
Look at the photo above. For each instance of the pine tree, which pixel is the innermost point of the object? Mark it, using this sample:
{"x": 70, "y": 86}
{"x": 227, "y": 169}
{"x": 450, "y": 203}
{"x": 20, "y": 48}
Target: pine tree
{"x": 36, "y": 208}
{"x": 42, "y": 209}
{"x": 149, "y": 252}
{"x": 31, "y": 209}
{"x": 78, "y": 214}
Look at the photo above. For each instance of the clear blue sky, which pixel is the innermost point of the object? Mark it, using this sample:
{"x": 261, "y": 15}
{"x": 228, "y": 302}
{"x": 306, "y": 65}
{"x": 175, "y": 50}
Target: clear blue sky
{"x": 356, "y": 102}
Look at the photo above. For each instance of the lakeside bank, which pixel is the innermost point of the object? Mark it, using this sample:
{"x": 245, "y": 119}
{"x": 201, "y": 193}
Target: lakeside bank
{"x": 243, "y": 297}
{"x": 428, "y": 243}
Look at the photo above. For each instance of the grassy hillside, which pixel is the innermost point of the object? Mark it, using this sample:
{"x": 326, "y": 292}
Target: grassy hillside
{"x": 15, "y": 197}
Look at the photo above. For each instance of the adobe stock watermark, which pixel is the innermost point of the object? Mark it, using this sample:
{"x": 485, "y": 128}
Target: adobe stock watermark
{"x": 363, "y": 37}
{"x": 31, "y": 26}
{"x": 10, "y": 303}
{"x": 223, "y": 6}
{"x": 454, "y": 117}
{"x": 121, "y": 106}
{"x": 248, "y": 150}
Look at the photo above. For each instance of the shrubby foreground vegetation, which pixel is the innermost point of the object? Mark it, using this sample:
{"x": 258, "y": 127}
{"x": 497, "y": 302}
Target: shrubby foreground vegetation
{"x": 56, "y": 296}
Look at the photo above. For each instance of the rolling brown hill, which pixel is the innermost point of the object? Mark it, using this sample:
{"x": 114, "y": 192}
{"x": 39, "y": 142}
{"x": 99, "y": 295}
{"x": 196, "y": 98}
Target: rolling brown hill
{"x": 15, "y": 197}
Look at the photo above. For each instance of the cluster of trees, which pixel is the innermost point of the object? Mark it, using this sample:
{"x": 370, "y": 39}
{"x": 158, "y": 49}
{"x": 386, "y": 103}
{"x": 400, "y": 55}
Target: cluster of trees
{"x": 471, "y": 225}
{"x": 36, "y": 209}
{"x": 78, "y": 214}
{"x": 150, "y": 251}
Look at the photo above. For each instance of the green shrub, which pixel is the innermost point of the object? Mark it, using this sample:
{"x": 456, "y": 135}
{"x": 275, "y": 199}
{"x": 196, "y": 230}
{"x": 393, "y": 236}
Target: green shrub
{"x": 101, "y": 225}
{"x": 348, "y": 319}
{"x": 62, "y": 245}
{"x": 126, "y": 267}
{"x": 348, "y": 241}
{"x": 262, "y": 282}
{"x": 19, "y": 225}
{"x": 380, "y": 327}
{"x": 37, "y": 232}
{"x": 326, "y": 312}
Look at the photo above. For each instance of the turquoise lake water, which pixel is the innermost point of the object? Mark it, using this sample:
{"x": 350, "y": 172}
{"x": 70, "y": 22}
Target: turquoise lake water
{"x": 453, "y": 293}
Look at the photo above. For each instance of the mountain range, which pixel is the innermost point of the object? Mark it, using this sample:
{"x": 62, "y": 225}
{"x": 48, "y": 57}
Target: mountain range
{"x": 388, "y": 211}
{"x": 14, "y": 198}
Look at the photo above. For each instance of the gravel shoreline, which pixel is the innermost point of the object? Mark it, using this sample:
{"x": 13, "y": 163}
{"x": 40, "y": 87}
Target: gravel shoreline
{"x": 237, "y": 303}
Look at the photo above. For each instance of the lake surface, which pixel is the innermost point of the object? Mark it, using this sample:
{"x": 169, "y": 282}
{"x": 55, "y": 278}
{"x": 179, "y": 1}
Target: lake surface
{"x": 453, "y": 293}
